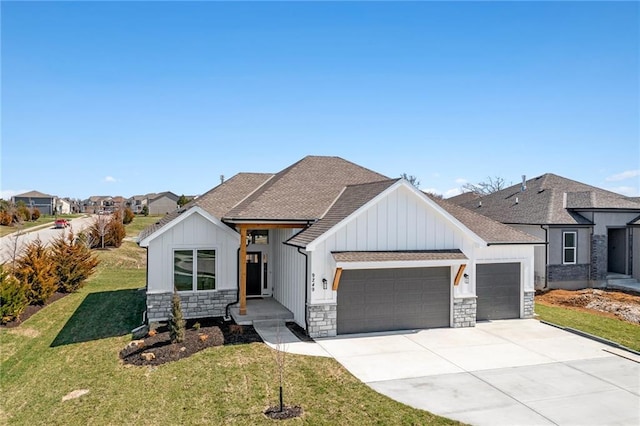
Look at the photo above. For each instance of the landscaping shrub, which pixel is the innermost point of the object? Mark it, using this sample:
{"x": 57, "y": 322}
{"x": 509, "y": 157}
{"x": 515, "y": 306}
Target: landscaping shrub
{"x": 35, "y": 214}
{"x": 73, "y": 262}
{"x": 22, "y": 214}
{"x": 177, "y": 324}
{"x": 6, "y": 218}
{"x": 13, "y": 296}
{"x": 128, "y": 216}
{"x": 107, "y": 231}
{"x": 145, "y": 211}
{"x": 116, "y": 231}
{"x": 35, "y": 269}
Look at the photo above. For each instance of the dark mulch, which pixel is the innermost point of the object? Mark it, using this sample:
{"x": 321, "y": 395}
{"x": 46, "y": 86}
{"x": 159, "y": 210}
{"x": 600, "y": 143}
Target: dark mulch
{"x": 32, "y": 309}
{"x": 288, "y": 412}
{"x": 299, "y": 332}
{"x": 218, "y": 333}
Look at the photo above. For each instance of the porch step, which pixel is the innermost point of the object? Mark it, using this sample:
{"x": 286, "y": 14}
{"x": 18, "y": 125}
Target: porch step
{"x": 622, "y": 282}
{"x": 261, "y": 310}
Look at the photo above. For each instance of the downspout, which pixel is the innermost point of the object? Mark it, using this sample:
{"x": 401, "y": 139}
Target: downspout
{"x": 306, "y": 289}
{"x": 226, "y": 308}
{"x": 546, "y": 256}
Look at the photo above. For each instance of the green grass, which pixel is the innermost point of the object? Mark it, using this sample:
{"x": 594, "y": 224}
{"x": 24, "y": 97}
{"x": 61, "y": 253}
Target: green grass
{"x": 139, "y": 223}
{"x": 74, "y": 344}
{"x": 613, "y": 329}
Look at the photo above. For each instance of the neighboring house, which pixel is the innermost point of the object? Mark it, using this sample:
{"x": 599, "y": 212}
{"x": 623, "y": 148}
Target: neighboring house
{"x": 137, "y": 203}
{"x": 98, "y": 203}
{"x": 33, "y": 199}
{"x": 63, "y": 206}
{"x": 345, "y": 249}
{"x": 592, "y": 234}
{"x": 162, "y": 203}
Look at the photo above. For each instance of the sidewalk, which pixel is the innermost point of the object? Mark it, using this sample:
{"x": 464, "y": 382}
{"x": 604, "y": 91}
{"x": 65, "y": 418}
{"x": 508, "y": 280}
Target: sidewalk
{"x": 276, "y": 335}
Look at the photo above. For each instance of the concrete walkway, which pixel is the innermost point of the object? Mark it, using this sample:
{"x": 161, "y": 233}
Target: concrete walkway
{"x": 514, "y": 372}
{"x": 276, "y": 335}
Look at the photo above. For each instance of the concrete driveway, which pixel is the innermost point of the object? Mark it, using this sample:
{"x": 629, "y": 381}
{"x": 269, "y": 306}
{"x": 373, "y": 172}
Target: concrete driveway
{"x": 513, "y": 372}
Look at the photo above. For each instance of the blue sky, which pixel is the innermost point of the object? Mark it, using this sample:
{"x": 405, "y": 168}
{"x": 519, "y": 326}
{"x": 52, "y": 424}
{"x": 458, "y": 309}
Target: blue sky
{"x": 134, "y": 97}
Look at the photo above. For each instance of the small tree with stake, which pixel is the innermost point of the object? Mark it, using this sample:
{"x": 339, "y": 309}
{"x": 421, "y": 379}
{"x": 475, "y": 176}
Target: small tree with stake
{"x": 282, "y": 411}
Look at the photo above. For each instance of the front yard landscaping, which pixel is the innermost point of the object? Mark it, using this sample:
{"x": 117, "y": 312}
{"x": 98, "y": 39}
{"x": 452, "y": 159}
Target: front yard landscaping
{"x": 70, "y": 350}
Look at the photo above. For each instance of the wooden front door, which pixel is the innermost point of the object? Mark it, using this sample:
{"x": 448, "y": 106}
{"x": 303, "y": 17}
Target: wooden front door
{"x": 254, "y": 274}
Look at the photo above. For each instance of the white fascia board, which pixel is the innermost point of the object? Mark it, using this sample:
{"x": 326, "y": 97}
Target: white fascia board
{"x": 312, "y": 245}
{"x": 401, "y": 264}
{"x": 193, "y": 210}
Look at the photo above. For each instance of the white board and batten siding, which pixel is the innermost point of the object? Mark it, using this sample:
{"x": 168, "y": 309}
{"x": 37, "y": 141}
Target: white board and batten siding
{"x": 194, "y": 232}
{"x": 289, "y": 268}
{"x": 404, "y": 220}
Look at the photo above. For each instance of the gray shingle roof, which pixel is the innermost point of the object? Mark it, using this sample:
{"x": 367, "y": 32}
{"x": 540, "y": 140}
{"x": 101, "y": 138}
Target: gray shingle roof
{"x": 352, "y": 198}
{"x": 548, "y": 199}
{"x": 491, "y": 231}
{"x": 218, "y": 200}
{"x": 303, "y": 191}
{"x": 34, "y": 194}
{"x": 390, "y": 256}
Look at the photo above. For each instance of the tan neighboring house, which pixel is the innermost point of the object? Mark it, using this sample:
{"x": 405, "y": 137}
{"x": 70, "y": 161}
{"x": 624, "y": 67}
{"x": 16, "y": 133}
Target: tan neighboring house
{"x": 162, "y": 203}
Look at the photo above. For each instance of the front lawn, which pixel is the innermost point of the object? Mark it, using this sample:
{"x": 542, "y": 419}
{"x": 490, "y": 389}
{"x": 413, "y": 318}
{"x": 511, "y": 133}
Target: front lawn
{"x": 139, "y": 223}
{"x": 613, "y": 329}
{"x": 73, "y": 344}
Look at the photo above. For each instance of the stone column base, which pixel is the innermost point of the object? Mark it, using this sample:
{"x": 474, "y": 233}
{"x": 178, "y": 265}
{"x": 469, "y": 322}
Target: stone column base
{"x": 464, "y": 312}
{"x": 322, "y": 320}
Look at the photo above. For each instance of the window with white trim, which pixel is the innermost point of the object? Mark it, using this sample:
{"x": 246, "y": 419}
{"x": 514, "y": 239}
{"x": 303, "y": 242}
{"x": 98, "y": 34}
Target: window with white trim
{"x": 569, "y": 246}
{"x": 194, "y": 269}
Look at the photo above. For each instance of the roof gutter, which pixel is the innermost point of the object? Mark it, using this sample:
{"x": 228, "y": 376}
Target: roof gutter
{"x": 518, "y": 243}
{"x": 263, "y": 221}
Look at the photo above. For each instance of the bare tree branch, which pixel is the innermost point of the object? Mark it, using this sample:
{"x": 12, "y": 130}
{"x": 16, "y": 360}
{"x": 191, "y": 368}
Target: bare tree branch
{"x": 491, "y": 185}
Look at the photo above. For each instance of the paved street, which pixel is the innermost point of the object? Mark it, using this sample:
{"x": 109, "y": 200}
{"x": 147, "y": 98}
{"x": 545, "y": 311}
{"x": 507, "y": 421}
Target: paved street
{"x": 46, "y": 235}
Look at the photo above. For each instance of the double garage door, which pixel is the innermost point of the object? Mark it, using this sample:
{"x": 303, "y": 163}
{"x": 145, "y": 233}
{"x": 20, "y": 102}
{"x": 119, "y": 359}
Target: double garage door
{"x": 413, "y": 298}
{"x": 393, "y": 299}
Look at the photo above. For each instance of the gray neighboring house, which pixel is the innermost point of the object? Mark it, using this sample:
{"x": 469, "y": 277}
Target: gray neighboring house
{"x": 592, "y": 235}
{"x": 163, "y": 203}
{"x": 33, "y": 199}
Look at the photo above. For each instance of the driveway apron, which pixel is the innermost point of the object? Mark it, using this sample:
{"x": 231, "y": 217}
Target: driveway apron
{"x": 512, "y": 372}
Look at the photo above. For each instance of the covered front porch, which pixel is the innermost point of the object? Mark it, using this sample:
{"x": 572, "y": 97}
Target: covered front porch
{"x": 280, "y": 283}
{"x": 261, "y": 309}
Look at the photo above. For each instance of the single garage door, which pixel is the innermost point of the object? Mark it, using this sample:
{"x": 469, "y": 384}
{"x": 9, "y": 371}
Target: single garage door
{"x": 393, "y": 299}
{"x": 498, "y": 291}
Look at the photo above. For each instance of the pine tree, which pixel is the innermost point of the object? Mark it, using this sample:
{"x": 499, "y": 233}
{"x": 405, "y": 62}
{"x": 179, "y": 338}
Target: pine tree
{"x": 35, "y": 269}
{"x": 177, "y": 324}
{"x": 73, "y": 262}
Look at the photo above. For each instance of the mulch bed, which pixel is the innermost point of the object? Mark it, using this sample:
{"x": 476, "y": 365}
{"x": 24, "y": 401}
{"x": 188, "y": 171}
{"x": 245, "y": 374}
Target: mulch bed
{"x": 299, "y": 332}
{"x": 32, "y": 309}
{"x": 217, "y": 332}
{"x": 288, "y": 412}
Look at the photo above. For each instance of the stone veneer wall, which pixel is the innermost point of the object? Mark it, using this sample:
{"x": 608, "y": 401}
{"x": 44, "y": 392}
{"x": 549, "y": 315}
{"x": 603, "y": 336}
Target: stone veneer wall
{"x": 528, "y": 304}
{"x": 464, "y": 312}
{"x": 598, "y": 257}
{"x": 194, "y": 305}
{"x": 322, "y": 320}
{"x": 568, "y": 273}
